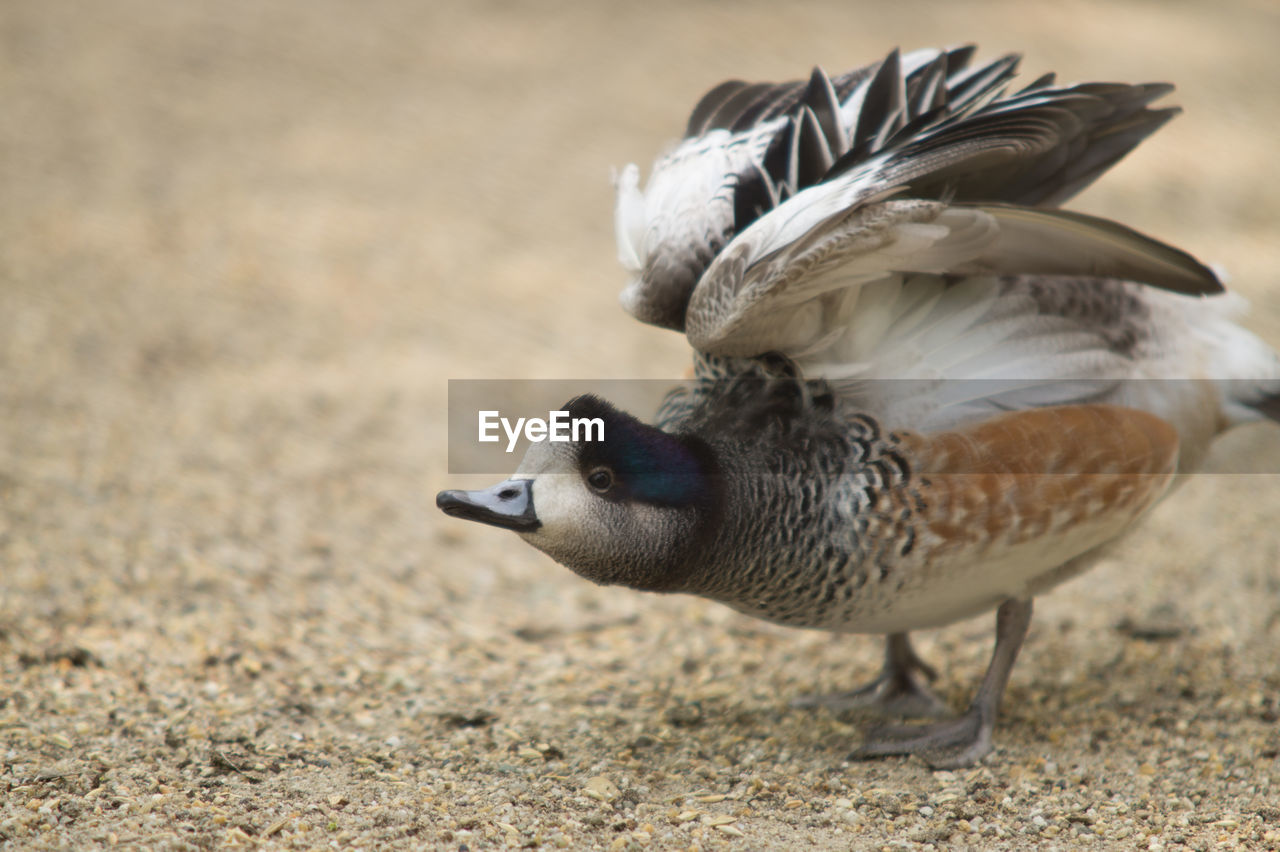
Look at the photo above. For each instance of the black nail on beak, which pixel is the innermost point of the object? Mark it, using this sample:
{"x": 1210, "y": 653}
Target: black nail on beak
{"x": 508, "y": 505}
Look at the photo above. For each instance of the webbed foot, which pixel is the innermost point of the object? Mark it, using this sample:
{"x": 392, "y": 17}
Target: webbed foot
{"x": 899, "y": 690}
{"x": 966, "y": 739}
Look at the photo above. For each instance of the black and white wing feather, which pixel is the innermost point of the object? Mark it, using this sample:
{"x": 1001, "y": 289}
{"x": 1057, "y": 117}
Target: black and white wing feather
{"x": 769, "y": 170}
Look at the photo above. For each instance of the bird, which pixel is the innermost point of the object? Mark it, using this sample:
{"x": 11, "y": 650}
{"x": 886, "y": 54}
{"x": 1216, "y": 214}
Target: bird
{"x": 923, "y": 390}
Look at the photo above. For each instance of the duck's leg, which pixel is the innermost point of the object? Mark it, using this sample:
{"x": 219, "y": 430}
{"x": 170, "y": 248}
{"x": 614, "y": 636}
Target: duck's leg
{"x": 966, "y": 739}
{"x": 899, "y": 690}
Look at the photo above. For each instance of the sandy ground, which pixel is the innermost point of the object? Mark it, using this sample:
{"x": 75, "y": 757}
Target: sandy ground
{"x": 243, "y": 246}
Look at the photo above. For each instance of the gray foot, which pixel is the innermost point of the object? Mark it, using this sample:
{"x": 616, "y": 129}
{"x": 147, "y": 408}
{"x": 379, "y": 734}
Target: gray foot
{"x": 966, "y": 739}
{"x": 949, "y": 744}
{"x": 899, "y": 690}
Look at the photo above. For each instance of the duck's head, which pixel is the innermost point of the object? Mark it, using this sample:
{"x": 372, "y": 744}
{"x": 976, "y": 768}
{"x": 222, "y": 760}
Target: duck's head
{"x": 631, "y": 506}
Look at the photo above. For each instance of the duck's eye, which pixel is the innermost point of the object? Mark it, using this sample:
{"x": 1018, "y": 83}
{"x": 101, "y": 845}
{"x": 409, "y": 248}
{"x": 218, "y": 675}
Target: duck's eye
{"x": 600, "y": 479}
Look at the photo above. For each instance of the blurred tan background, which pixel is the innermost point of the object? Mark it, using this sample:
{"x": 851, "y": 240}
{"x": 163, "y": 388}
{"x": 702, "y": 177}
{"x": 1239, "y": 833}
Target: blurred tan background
{"x": 243, "y": 247}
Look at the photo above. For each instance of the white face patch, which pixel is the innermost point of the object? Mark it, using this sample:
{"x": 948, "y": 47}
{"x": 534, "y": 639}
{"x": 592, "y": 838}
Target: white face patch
{"x": 563, "y": 505}
{"x": 561, "y": 500}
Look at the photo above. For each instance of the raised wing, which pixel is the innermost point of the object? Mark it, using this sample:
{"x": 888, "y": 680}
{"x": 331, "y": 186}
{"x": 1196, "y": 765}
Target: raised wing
{"x": 927, "y": 121}
{"x": 784, "y": 284}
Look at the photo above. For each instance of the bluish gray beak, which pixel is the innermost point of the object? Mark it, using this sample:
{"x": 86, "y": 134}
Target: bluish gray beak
{"x": 508, "y": 505}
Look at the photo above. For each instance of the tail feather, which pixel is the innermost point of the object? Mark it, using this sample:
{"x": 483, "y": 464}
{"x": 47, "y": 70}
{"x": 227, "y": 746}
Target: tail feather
{"x": 1245, "y": 368}
{"x": 1268, "y": 406}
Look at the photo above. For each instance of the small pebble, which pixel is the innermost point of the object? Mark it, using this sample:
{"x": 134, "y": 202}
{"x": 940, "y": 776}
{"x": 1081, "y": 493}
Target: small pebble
{"x": 601, "y": 789}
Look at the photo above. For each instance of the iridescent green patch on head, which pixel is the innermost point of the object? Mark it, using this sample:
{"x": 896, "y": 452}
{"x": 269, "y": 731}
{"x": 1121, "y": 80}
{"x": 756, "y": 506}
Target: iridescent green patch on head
{"x": 640, "y": 462}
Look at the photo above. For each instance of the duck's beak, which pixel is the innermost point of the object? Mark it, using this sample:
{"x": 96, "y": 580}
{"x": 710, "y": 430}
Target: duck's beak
{"x": 508, "y": 505}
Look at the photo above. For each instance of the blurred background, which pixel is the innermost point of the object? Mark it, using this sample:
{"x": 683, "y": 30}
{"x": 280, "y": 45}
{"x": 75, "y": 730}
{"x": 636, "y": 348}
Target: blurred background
{"x": 245, "y": 245}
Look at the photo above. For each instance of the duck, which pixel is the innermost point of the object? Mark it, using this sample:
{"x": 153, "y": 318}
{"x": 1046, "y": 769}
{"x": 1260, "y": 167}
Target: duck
{"x": 922, "y": 389}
